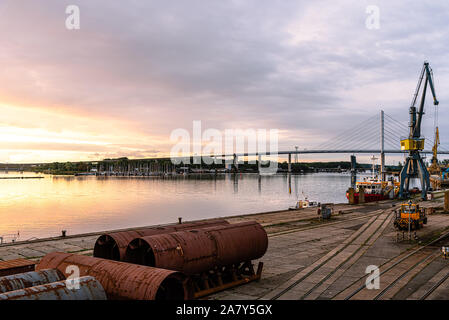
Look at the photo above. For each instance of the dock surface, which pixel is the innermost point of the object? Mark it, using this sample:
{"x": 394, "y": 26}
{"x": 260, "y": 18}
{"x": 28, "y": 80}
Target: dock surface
{"x": 309, "y": 258}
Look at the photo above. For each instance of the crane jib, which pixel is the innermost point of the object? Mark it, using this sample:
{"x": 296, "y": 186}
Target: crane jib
{"x": 414, "y": 144}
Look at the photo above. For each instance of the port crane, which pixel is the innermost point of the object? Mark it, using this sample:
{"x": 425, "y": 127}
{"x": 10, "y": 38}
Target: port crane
{"x": 434, "y": 167}
{"x": 414, "y": 165}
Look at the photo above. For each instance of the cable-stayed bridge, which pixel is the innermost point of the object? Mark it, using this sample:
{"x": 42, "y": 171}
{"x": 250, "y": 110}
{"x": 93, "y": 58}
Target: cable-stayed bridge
{"x": 378, "y": 134}
{"x": 382, "y": 131}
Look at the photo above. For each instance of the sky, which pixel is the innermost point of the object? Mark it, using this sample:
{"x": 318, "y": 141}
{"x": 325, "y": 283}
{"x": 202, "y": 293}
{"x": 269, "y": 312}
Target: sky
{"x": 137, "y": 70}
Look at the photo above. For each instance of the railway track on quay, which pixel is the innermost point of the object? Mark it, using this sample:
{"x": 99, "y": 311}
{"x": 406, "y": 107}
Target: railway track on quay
{"x": 397, "y": 272}
{"x": 351, "y": 217}
{"x": 437, "y": 286}
{"x": 309, "y": 282}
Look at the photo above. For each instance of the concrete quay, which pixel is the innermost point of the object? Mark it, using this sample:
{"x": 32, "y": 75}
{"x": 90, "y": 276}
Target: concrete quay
{"x": 309, "y": 258}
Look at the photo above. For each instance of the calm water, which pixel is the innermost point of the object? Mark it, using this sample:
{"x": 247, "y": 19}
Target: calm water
{"x": 44, "y": 207}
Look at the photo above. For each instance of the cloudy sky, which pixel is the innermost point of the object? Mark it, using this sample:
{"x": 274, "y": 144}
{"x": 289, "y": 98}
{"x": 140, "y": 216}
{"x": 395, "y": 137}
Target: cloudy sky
{"x": 137, "y": 70}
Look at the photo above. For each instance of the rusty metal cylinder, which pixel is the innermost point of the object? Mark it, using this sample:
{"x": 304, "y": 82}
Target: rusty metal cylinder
{"x": 29, "y": 279}
{"x": 88, "y": 288}
{"x": 113, "y": 245}
{"x": 199, "y": 250}
{"x": 122, "y": 280}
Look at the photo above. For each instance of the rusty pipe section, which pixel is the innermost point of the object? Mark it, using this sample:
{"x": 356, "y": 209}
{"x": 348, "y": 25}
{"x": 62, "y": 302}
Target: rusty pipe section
{"x": 29, "y": 279}
{"x": 200, "y": 250}
{"x": 122, "y": 280}
{"x": 113, "y": 245}
{"x": 88, "y": 289}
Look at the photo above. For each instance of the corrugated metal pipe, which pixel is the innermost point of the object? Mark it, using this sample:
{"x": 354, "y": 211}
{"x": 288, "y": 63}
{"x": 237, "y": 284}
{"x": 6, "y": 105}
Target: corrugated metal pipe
{"x": 122, "y": 280}
{"x": 88, "y": 288}
{"x": 113, "y": 245}
{"x": 29, "y": 279}
{"x": 200, "y": 250}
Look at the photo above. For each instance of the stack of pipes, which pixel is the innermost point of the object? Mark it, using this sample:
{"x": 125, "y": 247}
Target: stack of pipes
{"x": 49, "y": 284}
{"x": 157, "y": 263}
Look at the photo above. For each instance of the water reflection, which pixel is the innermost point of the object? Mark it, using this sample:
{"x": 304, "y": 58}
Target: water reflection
{"x": 44, "y": 207}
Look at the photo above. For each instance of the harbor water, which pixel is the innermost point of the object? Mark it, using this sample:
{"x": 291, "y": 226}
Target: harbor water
{"x": 44, "y": 207}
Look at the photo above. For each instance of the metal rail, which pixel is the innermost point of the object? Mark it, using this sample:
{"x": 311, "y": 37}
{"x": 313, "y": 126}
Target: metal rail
{"x": 346, "y": 260}
{"x": 303, "y": 228}
{"x": 294, "y": 284}
{"x": 402, "y": 276}
{"x": 398, "y": 262}
{"x": 434, "y": 287}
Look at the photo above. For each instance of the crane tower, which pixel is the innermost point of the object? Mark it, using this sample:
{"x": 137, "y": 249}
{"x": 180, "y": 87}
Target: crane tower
{"x": 414, "y": 166}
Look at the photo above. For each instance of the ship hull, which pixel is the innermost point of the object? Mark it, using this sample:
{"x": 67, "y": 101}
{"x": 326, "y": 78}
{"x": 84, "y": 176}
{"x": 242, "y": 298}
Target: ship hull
{"x": 369, "y": 197}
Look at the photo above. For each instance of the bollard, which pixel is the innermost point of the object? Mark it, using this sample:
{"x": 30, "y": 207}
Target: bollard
{"x": 351, "y": 198}
{"x": 361, "y": 195}
{"x": 446, "y": 201}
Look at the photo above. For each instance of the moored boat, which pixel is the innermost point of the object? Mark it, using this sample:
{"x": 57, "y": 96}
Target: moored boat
{"x": 375, "y": 189}
{"x": 300, "y": 204}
